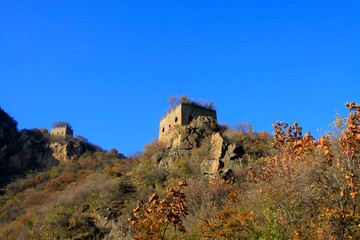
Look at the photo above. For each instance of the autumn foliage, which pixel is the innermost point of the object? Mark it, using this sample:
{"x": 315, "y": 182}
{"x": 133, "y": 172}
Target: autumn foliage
{"x": 288, "y": 185}
{"x": 66, "y": 179}
{"x": 151, "y": 220}
{"x": 302, "y": 172}
{"x": 308, "y": 189}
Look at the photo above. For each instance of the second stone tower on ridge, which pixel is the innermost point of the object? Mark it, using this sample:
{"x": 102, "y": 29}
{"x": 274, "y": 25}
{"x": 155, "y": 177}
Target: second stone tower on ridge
{"x": 181, "y": 115}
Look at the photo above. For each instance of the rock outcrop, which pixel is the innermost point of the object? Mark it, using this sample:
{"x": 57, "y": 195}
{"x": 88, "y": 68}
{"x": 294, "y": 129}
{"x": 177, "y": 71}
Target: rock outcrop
{"x": 33, "y": 149}
{"x": 8, "y": 136}
{"x": 218, "y": 145}
{"x": 212, "y": 167}
{"x": 67, "y": 150}
{"x": 202, "y": 134}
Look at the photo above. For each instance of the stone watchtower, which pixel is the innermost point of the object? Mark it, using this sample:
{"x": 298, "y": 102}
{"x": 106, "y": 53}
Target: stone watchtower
{"x": 62, "y": 132}
{"x": 181, "y": 115}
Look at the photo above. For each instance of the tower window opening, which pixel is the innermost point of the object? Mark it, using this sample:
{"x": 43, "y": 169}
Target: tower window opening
{"x": 176, "y": 119}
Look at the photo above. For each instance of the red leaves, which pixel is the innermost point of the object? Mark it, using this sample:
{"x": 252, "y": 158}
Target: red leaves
{"x": 66, "y": 179}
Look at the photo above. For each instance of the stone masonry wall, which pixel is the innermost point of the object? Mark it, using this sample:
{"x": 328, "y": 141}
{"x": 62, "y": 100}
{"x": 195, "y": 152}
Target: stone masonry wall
{"x": 167, "y": 123}
{"x": 62, "y": 132}
{"x": 190, "y": 112}
{"x": 182, "y": 115}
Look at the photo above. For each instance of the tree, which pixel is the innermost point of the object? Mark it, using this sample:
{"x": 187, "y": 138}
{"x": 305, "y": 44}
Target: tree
{"x": 81, "y": 138}
{"x": 175, "y": 100}
{"x": 151, "y": 220}
{"x": 61, "y": 124}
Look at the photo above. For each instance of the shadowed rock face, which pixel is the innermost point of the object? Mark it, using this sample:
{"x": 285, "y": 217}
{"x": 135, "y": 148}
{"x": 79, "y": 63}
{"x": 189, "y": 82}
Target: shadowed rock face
{"x": 8, "y": 137}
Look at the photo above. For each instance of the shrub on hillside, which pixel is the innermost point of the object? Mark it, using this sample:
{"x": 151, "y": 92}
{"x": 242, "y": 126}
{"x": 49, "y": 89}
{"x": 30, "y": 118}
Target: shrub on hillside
{"x": 61, "y": 124}
{"x": 174, "y": 101}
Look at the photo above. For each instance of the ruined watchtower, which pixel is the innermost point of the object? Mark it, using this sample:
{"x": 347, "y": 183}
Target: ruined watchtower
{"x": 62, "y": 132}
{"x": 181, "y": 115}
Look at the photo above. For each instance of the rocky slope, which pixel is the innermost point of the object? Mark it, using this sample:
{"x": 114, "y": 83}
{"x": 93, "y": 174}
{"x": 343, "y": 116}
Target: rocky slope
{"x": 33, "y": 149}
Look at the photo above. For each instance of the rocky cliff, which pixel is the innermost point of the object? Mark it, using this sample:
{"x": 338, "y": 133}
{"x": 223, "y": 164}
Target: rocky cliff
{"x": 203, "y": 140}
{"x": 33, "y": 149}
{"x": 8, "y": 137}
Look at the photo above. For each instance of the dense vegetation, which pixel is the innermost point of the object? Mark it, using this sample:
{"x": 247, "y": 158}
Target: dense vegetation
{"x": 289, "y": 186}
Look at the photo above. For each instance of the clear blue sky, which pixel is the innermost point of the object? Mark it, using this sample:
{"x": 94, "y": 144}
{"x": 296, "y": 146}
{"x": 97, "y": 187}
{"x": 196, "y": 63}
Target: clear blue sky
{"x": 108, "y": 67}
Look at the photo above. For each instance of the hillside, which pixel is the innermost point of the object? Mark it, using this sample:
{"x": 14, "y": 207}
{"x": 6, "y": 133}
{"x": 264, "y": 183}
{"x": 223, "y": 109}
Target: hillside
{"x": 33, "y": 149}
{"x": 214, "y": 182}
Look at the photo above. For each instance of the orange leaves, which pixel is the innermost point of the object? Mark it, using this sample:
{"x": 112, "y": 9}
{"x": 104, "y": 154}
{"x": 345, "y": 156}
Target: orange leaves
{"x": 302, "y": 172}
{"x": 352, "y": 105}
{"x": 227, "y": 224}
{"x": 290, "y": 143}
{"x": 341, "y": 191}
{"x": 353, "y": 194}
{"x": 150, "y": 221}
{"x": 154, "y": 197}
{"x": 253, "y": 174}
{"x": 325, "y": 145}
{"x": 350, "y": 142}
{"x": 234, "y": 196}
{"x": 231, "y": 222}
{"x": 304, "y": 145}
{"x": 291, "y": 147}
{"x": 285, "y": 134}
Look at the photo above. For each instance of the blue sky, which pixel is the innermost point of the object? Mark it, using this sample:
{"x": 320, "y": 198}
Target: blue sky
{"x": 108, "y": 67}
